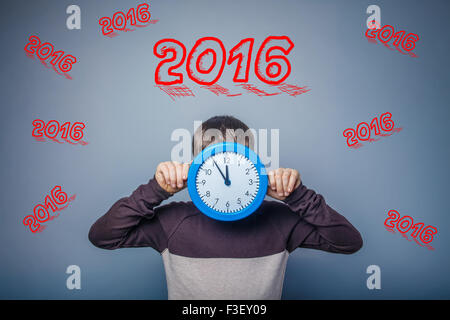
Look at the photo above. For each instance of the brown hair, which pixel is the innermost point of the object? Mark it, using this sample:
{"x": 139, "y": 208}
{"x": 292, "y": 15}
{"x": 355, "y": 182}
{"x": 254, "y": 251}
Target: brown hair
{"x": 219, "y": 129}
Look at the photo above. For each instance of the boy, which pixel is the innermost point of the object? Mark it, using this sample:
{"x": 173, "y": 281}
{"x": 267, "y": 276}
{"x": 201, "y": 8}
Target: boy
{"x": 209, "y": 259}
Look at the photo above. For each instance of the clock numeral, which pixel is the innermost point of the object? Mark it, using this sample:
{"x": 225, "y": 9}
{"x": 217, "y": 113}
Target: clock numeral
{"x": 247, "y": 171}
{"x": 217, "y": 200}
{"x": 250, "y": 181}
{"x": 226, "y": 160}
{"x": 247, "y": 193}
{"x": 228, "y": 204}
{"x": 208, "y": 172}
{"x": 203, "y": 182}
{"x": 208, "y": 193}
{"x": 238, "y": 200}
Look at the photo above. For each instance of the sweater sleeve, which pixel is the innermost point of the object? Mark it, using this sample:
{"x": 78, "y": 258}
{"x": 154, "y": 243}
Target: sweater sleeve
{"x": 131, "y": 221}
{"x": 320, "y": 226}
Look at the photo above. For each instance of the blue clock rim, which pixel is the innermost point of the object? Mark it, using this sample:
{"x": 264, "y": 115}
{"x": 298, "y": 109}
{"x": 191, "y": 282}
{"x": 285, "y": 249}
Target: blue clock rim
{"x": 220, "y": 148}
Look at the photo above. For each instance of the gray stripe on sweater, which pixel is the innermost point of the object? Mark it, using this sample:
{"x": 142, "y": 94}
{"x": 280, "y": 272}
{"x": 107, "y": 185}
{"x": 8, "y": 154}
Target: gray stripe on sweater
{"x": 225, "y": 278}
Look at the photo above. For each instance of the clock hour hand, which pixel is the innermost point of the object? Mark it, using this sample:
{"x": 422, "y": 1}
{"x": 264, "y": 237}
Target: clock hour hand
{"x": 227, "y": 178}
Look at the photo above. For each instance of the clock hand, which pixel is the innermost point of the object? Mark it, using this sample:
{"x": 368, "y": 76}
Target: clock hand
{"x": 227, "y": 179}
{"x": 223, "y": 176}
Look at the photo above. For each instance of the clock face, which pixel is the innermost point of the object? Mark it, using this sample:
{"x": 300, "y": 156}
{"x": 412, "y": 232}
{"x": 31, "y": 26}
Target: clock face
{"x": 227, "y": 182}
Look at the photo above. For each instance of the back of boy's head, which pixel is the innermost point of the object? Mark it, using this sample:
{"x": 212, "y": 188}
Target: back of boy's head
{"x": 220, "y": 129}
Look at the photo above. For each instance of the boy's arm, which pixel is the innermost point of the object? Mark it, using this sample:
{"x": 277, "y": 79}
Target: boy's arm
{"x": 131, "y": 221}
{"x": 321, "y": 227}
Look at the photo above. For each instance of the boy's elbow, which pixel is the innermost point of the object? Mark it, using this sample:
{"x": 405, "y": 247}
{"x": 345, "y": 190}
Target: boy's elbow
{"x": 357, "y": 243}
{"x": 93, "y": 238}
{"x": 96, "y": 239}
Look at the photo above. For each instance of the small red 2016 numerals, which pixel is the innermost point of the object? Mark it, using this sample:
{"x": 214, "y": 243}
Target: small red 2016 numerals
{"x": 119, "y": 20}
{"x": 46, "y": 50}
{"x": 41, "y": 214}
{"x": 363, "y": 130}
{"x": 406, "y": 224}
{"x": 52, "y": 128}
{"x": 206, "y": 61}
{"x": 386, "y": 33}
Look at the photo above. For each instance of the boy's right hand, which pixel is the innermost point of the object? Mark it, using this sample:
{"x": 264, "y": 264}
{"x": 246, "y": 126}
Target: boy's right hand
{"x": 172, "y": 175}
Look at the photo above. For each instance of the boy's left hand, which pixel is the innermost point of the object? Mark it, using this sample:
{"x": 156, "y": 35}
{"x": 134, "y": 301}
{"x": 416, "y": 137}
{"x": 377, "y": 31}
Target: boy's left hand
{"x": 282, "y": 182}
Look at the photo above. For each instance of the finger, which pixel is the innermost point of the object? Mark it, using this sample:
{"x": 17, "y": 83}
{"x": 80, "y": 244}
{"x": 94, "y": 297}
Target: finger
{"x": 172, "y": 174}
{"x": 185, "y": 171}
{"x": 292, "y": 181}
{"x": 285, "y": 180}
{"x": 165, "y": 171}
{"x": 272, "y": 180}
{"x": 271, "y": 193}
{"x": 179, "y": 172}
{"x": 279, "y": 182}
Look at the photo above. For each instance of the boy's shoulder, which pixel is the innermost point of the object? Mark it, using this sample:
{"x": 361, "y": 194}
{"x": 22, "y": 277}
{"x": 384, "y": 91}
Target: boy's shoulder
{"x": 279, "y": 214}
{"x": 277, "y": 207}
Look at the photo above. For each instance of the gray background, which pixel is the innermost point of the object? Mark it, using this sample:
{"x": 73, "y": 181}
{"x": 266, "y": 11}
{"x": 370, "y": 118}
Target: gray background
{"x": 129, "y": 123}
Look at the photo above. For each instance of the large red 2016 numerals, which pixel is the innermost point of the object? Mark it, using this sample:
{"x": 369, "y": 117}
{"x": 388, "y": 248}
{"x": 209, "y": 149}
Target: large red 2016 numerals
{"x": 406, "y": 224}
{"x": 269, "y": 68}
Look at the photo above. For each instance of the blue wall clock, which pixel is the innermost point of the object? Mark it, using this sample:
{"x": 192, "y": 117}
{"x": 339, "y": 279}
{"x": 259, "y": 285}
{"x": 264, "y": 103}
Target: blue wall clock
{"x": 227, "y": 181}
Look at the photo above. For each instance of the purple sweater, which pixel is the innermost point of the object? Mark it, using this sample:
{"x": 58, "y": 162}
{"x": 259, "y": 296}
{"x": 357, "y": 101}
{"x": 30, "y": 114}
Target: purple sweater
{"x": 210, "y": 259}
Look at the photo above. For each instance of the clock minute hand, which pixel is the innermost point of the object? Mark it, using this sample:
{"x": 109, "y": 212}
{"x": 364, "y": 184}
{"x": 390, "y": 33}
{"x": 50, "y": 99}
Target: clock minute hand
{"x": 223, "y": 176}
{"x": 227, "y": 179}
